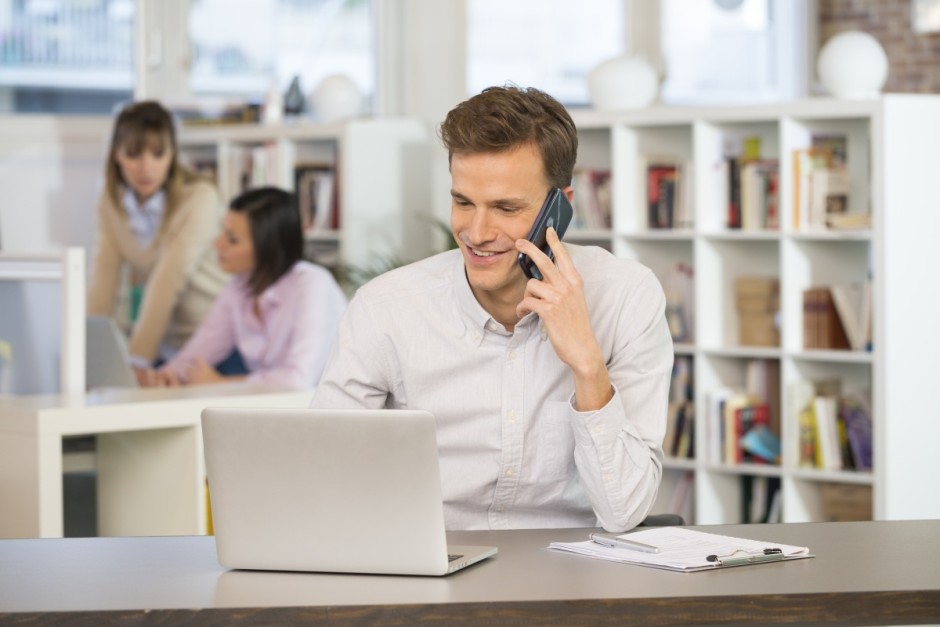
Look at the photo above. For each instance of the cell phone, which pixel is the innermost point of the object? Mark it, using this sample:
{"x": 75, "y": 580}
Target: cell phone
{"x": 556, "y": 212}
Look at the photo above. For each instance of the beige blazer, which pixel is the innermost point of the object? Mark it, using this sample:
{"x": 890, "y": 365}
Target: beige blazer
{"x": 179, "y": 269}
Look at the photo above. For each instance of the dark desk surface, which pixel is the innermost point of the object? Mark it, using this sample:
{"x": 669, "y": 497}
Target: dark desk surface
{"x": 864, "y": 573}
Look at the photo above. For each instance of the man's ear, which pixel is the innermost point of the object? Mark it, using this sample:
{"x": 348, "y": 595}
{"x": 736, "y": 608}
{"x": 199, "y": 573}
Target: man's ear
{"x": 569, "y": 193}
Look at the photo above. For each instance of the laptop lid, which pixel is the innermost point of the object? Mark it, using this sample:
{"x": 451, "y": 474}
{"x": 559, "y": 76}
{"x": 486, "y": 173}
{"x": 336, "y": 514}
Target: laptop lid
{"x": 354, "y": 491}
{"x": 107, "y": 360}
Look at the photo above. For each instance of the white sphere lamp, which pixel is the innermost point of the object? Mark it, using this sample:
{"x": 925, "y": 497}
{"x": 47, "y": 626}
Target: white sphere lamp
{"x": 336, "y": 97}
{"x": 623, "y": 83}
{"x": 852, "y": 65}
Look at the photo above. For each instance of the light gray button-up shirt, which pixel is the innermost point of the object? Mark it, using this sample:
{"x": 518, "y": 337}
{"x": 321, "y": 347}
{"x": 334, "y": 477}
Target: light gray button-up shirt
{"x": 514, "y": 452}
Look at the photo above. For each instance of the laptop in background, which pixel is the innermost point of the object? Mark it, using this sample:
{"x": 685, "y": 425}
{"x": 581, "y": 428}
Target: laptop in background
{"x": 107, "y": 360}
{"x": 348, "y": 491}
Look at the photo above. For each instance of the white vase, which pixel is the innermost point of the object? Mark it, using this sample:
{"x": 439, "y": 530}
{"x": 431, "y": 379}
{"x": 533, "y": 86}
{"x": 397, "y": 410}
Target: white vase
{"x": 852, "y": 65}
{"x": 335, "y": 98}
{"x": 623, "y": 83}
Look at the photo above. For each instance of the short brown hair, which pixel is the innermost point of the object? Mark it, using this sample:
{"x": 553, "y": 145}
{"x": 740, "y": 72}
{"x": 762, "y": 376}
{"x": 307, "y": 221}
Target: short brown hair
{"x": 502, "y": 118}
{"x": 135, "y": 124}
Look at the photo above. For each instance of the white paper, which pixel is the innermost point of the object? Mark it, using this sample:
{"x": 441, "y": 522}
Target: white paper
{"x": 680, "y": 549}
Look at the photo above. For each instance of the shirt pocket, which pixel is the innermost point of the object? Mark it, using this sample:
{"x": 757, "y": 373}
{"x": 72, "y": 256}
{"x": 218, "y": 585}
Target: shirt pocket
{"x": 555, "y": 441}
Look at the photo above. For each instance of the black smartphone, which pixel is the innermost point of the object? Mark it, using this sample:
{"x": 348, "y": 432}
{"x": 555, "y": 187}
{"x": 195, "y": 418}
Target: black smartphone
{"x": 556, "y": 212}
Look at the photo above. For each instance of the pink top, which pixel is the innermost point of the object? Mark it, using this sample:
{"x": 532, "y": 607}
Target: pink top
{"x": 290, "y": 343}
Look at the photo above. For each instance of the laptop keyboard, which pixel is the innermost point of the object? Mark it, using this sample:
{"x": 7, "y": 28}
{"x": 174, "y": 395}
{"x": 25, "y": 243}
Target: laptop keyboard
{"x": 451, "y": 558}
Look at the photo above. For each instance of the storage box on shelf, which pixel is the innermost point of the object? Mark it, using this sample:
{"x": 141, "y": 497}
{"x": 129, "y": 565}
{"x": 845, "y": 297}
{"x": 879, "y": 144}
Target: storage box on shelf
{"x": 865, "y": 238}
{"x": 363, "y": 182}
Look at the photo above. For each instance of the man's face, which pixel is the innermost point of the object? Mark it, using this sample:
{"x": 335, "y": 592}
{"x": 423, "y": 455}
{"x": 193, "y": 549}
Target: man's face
{"x": 495, "y": 199}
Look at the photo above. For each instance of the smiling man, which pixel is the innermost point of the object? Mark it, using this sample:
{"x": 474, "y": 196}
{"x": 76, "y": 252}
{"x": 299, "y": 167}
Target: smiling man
{"x": 550, "y": 395}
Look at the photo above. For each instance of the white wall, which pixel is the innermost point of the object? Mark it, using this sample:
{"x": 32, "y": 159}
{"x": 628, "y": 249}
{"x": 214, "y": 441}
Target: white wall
{"x": 51, "y": 172}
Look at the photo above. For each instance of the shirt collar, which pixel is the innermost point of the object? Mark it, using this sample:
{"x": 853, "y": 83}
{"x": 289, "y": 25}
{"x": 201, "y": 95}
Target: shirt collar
{"x": 153, "y": 206}
{"x": 477, "y": 320}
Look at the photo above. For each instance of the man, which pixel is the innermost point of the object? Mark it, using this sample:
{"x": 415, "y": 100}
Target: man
{"x": 550, "y": 396}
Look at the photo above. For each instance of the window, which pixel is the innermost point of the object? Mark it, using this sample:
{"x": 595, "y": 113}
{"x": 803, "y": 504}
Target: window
{"x": 239, "y": 46}
{"x": 549, "y": 44}
{"x": 66, "y": 55}
{"x": 732, "y": 51}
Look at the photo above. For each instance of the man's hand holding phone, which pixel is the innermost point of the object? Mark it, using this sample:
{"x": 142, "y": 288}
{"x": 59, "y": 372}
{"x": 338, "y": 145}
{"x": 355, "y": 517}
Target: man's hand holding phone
{"x": 558, "y": 300}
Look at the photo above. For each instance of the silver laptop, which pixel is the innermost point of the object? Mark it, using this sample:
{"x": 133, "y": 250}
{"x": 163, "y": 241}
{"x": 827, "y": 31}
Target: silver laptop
{"x": 107, "y": 361}
{"x": 351, "y": 491}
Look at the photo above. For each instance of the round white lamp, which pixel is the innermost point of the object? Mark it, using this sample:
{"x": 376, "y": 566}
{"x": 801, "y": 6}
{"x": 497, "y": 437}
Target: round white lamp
{"x": 623, "y": 83}
{"x": 852, "y": 65}
{"x": 335, "y": 98}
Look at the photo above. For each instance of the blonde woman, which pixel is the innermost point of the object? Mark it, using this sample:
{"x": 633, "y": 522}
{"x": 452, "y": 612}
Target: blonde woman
{"x": 156, "y": 224}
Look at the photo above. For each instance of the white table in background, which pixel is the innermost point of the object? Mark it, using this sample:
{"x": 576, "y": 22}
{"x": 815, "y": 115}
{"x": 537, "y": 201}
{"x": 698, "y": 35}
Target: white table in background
{"x": 149, "y": 457}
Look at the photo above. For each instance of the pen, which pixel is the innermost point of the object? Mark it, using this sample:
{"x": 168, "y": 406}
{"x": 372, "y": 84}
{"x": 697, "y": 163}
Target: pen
{"x": 622, "y": 543}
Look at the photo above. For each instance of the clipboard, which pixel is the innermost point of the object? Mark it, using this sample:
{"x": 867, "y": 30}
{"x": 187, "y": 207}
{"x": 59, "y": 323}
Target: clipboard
{"x": 687, "y": 550}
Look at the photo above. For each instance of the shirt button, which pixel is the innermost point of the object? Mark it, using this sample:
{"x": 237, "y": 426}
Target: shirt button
{"x": 512, "y": 414}
{"x": 509, "y": 472}
{"x": 512, "y": 355}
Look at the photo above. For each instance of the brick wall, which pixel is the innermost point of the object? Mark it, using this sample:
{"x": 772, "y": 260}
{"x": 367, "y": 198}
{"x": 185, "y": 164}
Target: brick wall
{"x": 913, "y": 58}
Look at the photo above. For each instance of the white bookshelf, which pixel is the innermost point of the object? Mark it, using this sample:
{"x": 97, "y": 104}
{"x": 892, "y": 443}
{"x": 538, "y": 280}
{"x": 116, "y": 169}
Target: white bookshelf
{"x": 894, "y": 160}
{"x": 381, "y": 168}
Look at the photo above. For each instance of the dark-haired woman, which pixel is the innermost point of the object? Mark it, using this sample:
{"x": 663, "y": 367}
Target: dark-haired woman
{"x": 154, "y": 270}
{"x": 279, "y": 311}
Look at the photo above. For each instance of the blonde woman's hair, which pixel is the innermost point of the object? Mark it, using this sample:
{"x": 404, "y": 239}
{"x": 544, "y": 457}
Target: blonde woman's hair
{"x": 134, "y": 129}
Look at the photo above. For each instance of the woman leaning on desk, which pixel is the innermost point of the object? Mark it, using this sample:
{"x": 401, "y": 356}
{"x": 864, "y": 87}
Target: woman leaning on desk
{"x": 156, "y": 223}
{"x": 279, "y": 313}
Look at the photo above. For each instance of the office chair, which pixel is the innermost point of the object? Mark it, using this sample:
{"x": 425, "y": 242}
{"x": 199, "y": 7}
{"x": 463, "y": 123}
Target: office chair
{"x": 662, "y": 520}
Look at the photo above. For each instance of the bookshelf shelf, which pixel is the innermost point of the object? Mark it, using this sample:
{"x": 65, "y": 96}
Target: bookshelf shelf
{"x": 860, "y": 478}
{"x": 751, "y": 470}
{"x": 376, "y": 168}
{"x": 881, "y": 157}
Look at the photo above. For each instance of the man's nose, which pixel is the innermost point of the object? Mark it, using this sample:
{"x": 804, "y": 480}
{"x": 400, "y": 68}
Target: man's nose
{"x": 480, "y": 226}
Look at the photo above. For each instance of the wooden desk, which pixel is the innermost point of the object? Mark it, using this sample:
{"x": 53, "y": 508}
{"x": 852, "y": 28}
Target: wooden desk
{"x": 864, "y": 573}
{"x": 150, "y": 465}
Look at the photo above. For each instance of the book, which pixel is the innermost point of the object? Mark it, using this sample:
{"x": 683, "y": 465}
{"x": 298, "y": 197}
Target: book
{"x": 592, "y": 199}
{"x": 822, "y": 186}
{"x": 314, "y": 184}
{"x": 848, "y": 299}
{"x": 746, "y": 419}
{"x": 686, "y": 550}
{"x": 822, "y": 325}
{"x": 662, "y": 180}
{"x": 732, "y": 422}
{"x": 715, "y": 423}
{"x": 680, "y": 303}
{"x": 828, "y": 451}
{"x": 855, "y": 413}
{"x": 757, "y": 498}
{"x": 799, "y": 399}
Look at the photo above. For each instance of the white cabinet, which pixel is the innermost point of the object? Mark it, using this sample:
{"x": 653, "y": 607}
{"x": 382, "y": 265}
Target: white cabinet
{"x": 893, "y": 160}
{"x": 380, "y": 169}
